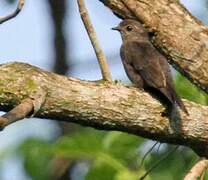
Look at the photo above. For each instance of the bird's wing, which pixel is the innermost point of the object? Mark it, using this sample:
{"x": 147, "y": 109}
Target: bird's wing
{"x": 146, "y": 60}
{"x": 153, "y": 68}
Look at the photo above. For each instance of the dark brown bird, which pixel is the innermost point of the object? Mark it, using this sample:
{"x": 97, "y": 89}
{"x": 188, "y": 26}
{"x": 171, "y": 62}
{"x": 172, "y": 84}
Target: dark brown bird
{"x": 145, "y": 66}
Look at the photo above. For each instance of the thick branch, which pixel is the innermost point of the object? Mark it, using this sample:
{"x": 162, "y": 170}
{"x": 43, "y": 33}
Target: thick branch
{"x": 179, "y": 35}
{"x": 103, "y": 105}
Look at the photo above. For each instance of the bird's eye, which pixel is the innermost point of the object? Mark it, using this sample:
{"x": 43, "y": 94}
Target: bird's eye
{"x": 129, "y": 28}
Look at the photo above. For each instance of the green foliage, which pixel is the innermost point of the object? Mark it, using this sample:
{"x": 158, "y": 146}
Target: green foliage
{"x": 98, "y": 169}
{"x": 36, "y": 158}
{"x": 174, "y": 166}
{"x": 108, "y": 152}
{"x": 189, "y": 91}
{"x": 111, "y": 156}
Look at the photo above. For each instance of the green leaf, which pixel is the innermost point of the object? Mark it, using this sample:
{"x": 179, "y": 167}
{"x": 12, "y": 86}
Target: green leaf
{"x": 87, "y": 145}
{"x": 36, "y": 156}
{"x": 127, "y": 175}
{"x": 174, "y": 166}
{"x": 122, "y": 146}
{"x": 189, "y": 91}
{"x": 101, "y": 171}
{"x": 83, "y": 144}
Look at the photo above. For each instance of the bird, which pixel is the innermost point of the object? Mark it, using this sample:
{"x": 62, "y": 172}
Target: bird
{"x": 145, "y": 66}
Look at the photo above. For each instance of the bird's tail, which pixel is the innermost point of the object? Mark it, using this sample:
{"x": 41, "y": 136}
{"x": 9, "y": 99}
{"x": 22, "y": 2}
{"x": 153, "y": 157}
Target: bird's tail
{"x": 180, "y": 103}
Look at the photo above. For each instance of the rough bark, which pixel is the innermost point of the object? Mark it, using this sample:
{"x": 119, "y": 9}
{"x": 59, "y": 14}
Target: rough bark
{"x": 103, "y": 105}
{"x": 177, "y": 34}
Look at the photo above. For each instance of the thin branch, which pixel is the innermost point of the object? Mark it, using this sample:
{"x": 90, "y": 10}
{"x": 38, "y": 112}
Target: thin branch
{"x": 14, "y": 14}
{"x": 197, "y": 170}
{"x": 158, "y": 163}
{"x": 202, "y": 176}
{"x": 147, "y": 153}
{"x": 19, "y": 112}
{"x": 92, "y": 35}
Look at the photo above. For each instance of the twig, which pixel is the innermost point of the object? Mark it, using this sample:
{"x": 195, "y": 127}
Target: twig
{"x": 197, "y": 170}
{"x": 19, "y": 112}
{"x": 14, "y": 14}
{"x": 158, "y": 148}
{"x": 157, "y": 163}
{"x": 92, "y": 35}
{"x": 146, "y": 154}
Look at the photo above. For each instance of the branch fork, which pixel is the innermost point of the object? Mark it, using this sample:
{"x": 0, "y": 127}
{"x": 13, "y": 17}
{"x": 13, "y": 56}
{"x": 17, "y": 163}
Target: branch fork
{"x": 27, "y": 108}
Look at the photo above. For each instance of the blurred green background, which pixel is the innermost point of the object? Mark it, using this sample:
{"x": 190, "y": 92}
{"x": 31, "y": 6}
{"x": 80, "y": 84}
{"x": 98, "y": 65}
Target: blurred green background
{"x": 49, "y": 34}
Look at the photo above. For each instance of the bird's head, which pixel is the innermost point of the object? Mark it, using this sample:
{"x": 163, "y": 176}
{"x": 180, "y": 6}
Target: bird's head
{"x": 130, "y": 28}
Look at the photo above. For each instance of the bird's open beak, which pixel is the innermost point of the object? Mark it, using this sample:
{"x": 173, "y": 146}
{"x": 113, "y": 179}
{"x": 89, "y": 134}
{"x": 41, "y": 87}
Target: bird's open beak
{"x": 116, "y": 28}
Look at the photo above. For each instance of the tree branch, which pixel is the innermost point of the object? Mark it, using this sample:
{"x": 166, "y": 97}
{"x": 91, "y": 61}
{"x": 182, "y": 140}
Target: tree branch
{"x": 14, "y": 14}
{"x": 27, "y": 107}
{"x": 197, "y": 171}
{"x": 19, "y": 112}
{"x": 92, "y": 35}
{"x": 179, "y": 35}
{"x": 103, "y": 106}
